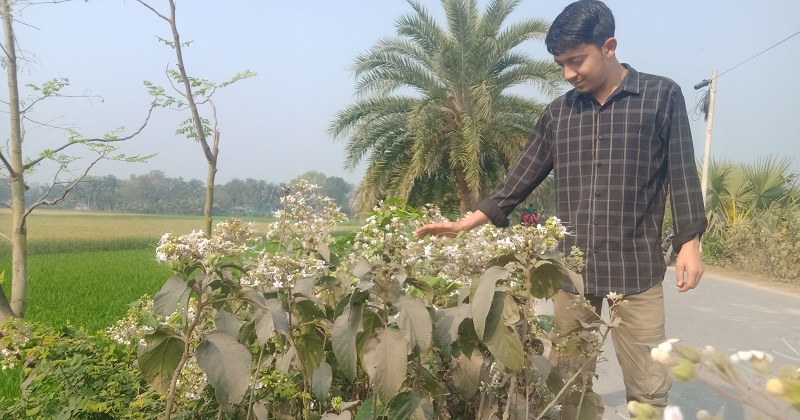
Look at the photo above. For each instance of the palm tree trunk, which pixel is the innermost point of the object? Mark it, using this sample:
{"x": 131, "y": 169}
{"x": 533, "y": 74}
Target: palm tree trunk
{"x": 467, "y": 198}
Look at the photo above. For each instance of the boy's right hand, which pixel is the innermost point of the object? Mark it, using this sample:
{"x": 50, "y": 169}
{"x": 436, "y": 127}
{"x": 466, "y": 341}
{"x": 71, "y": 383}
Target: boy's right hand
{"x": 449, "y": 229}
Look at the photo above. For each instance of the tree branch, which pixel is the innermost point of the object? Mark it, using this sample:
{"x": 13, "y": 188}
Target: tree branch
{"x": 171, "y": 83}
{"x": 43, "y": 202}
{"x": 7, "y": 164}
{"x": 41, "y": 98}
{"x": 64, "y": 146}
{"x": 154, "y": 11}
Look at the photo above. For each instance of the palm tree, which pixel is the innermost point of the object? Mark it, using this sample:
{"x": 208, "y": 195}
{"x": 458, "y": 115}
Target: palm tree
{"x": 735, "y": 191}
{"x": 433, "y": 107}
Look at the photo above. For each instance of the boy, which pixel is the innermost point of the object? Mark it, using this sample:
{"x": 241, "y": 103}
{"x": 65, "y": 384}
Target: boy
{"x": 617, "y": 143}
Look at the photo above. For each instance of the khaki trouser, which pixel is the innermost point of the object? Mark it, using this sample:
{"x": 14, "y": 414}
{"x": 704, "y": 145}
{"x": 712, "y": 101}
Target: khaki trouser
{"x": 642, "y": 328}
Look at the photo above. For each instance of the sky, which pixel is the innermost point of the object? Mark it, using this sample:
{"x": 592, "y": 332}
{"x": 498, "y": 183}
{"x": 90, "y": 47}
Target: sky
{"x": 274, "y": 126}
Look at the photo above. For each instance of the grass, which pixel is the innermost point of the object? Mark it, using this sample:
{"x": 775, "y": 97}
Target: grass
{"x": 85, "y": 267}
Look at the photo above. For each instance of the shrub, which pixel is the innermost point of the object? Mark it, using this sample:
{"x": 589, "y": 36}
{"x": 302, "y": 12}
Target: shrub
{"x": 767, "y": 242}
{"x": 70, "y": 374}
{"x": 376, "y": 325}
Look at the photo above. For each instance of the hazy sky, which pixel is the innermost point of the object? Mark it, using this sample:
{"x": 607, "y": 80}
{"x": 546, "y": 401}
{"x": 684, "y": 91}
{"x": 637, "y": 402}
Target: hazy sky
{"x": 274, "y": 126}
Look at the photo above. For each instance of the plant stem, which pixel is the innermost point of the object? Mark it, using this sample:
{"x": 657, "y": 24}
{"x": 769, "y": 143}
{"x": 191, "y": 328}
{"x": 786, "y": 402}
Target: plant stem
{"x": 185, "y": 357}
{"x": 255, "y": 376}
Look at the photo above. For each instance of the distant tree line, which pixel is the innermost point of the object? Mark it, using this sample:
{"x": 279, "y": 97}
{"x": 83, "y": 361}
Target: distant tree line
{"x": 156, "y": 193}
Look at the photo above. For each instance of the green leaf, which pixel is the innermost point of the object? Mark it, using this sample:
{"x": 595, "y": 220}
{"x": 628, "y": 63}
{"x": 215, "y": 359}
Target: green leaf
{"x": 591, "y": 406}
{"x": 482, "y": 298}
{"x": 511, "y": 313}
{"x": 410, "y": 405}
{"x": 502, "y": 340}
{"x": 166, "y": 301}
{"x": 226, "y": 363}
{"x": 264, "y": 326}
{"x": 423, "y": 287}
{"x": 321, "y": 381}
{"x": 546, "y": 279}
{"x": 362, "y": 268}
{"x": 310, "y": 350}
{"x": 366, "y": 409}
{"x": 227, "y": 323}
{"x": 466, "y": 373}
{"x": 385, "y": 355}
{"x": 415, "y": 322}
{"x": 279, "y": 317}
{"x": 159, "y": 358}
{"x": 343, "y": 339}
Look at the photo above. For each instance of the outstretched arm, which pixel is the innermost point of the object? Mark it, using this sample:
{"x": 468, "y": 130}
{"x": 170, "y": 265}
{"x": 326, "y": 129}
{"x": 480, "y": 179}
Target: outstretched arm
{"x": 451, "y": 229}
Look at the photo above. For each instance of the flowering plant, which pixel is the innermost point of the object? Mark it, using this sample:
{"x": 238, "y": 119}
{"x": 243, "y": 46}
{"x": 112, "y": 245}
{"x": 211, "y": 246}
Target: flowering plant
{"x": 748, "y": 377}
{"x": 295, "y": 324}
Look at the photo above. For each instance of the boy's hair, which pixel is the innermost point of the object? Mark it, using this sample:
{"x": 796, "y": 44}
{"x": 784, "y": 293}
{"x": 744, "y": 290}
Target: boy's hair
{"x": 583, "y": 22}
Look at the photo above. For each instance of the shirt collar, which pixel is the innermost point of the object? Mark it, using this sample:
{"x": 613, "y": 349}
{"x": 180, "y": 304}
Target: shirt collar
{"x": 629, "y": 84}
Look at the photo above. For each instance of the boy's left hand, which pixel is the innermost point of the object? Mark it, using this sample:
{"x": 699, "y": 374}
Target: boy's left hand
{"x": 689, "y": 265}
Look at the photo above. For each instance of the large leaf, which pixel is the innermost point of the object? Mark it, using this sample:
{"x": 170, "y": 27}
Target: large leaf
{"x": 445, "y": 331}
{"x": 466, "y": 373}
{"x": 228, "y": 323}
{"x": 362, "y": 268}
{"x": 321, "y": 381}
{"x": 261, "y": 411}
{"x": 265, "y": 326}
{"x": 343, "y": 339}
{"x": 279, "y": 317}
{"x": 410, "y": 405}
{"x": 385, "y": 353}
{"x": 502, "y": 340}
{"x": 159, "y": 358}
{"x": 310, "y": 349}
{"x": 482, "y": 298}
{"x": 166, "y": 301}
{"x": 546, "y": 279}
{"x": 575, "y": 278}
{"x": 368, "y": 407}
{"x": 226, "y": 363}
{"x": 415, "y": 322}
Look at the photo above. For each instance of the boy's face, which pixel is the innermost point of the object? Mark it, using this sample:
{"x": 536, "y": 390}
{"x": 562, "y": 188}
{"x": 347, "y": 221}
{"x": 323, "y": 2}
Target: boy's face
{"x": 586, "y": 67}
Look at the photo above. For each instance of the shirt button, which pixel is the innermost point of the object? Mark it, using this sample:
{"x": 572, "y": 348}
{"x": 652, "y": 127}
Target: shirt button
{"x": 599, "y": 164}
{"x": 597, "y": 194}
{"x": 601, "y": 137}
{"x": 596, "y": 222}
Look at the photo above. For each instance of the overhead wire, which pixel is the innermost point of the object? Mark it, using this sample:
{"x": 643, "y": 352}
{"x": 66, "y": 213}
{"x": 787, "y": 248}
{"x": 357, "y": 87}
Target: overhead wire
{"x": 697, "y": 111}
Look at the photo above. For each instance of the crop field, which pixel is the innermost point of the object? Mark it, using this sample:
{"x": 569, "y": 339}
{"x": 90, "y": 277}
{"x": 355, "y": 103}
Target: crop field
{"x": 85, "y": 268}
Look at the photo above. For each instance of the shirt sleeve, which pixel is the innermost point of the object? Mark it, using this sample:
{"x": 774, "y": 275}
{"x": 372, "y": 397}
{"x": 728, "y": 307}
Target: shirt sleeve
{"x": 686, "y": 198}
{"x": 531, "y": 168}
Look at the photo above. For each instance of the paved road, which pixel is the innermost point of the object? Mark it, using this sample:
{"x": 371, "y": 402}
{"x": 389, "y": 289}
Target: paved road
{"x": 729, "y": 315}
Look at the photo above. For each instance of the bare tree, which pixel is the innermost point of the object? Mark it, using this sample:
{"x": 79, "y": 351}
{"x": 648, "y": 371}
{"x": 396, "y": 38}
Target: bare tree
{"x": 16, "y": 166}
{"x": 195, "y": 92}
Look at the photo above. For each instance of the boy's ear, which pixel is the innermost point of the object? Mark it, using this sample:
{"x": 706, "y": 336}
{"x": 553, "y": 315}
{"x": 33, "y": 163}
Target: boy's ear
{"x": 610, "y": 47}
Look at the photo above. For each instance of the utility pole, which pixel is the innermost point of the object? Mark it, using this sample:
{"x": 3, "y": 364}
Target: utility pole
{"x": 709, "y": 125}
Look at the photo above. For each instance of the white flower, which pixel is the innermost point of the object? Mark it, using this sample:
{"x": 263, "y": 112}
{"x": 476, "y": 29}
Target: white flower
{"x": 672, "y": 413}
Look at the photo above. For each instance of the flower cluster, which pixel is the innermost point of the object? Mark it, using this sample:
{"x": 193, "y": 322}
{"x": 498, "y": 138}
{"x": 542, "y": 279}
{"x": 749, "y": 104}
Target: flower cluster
{"x": 306, "y": 217}
{"x": 195, "y": 247}
{"x": 388, "y": 235}
{"x": 277, "y": 271}
{"x": 139, "y": 321}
